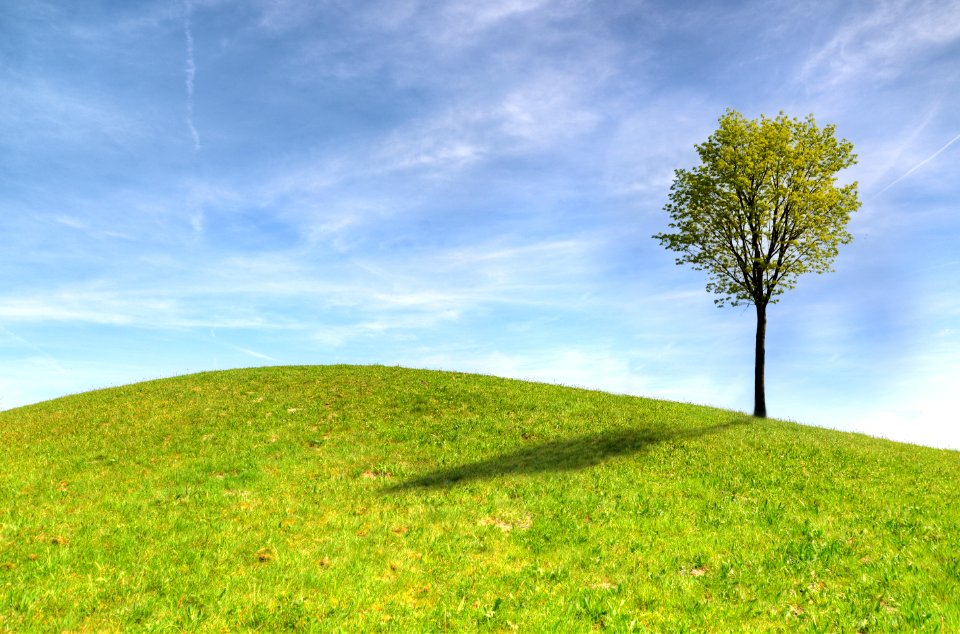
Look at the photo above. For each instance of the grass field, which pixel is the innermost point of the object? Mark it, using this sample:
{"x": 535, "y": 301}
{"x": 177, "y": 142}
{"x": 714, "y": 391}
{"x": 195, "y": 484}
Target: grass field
{"x": 346, "y": 498}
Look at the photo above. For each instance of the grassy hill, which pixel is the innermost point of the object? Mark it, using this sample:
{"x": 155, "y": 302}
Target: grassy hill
{"x": 371, "y": 498}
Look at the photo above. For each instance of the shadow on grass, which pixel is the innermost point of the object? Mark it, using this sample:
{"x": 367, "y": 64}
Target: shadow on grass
{"x": 571, "y": 454}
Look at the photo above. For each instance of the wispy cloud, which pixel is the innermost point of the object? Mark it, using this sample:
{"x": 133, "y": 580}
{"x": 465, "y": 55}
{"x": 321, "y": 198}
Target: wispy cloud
{"x": 882, "y": 156}
{"x": 255, "y": 354}
{"x": 484, "y": 14}
{"x": 518, "y": 254}
{"x": 540, "y": 113}
{"x": 158, "y": 308}
{"x": 893, "y": 37}
{"x": 95, "y": 233}
{"x": 46, "y": 356}
{"x": 651, "y": 141}
{"x": 34, "y": 108}
{"x": 281, "y": 15}
{"x": 464, "y": 22}
{"x": 41, "y": 309}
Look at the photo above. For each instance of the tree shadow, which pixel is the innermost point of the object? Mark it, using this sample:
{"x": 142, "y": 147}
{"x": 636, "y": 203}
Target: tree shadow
{"x": 570, "y": 454}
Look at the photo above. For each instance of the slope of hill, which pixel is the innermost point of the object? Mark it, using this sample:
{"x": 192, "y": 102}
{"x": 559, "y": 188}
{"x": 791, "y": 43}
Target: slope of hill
{"x": 367, "y": 498}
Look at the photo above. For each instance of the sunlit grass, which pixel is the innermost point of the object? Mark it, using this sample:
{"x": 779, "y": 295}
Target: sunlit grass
{"x": 349, "y": 498}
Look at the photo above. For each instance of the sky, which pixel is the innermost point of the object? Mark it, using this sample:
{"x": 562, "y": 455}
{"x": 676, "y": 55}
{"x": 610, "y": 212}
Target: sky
{"x": 472, "y": 186}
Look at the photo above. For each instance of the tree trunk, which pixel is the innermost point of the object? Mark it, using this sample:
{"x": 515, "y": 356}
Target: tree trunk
{"x": 759, "y": 395}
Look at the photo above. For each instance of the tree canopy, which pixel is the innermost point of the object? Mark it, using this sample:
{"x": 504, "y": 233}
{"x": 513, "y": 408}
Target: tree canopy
{"x": 763, "y": 207}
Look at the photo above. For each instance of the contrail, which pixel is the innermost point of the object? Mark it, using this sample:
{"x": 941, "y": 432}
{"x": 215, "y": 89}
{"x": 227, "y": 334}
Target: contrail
{"x": 921, "y": 164}
{"x": 191, "y": 70}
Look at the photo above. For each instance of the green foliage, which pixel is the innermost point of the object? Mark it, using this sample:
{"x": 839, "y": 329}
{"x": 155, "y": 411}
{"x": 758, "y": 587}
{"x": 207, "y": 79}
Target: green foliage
{"x": 361, "y": 499}
{"x": 762, "y": 207}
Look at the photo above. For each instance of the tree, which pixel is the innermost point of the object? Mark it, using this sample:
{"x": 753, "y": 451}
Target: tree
{"x": 762, "y": 208}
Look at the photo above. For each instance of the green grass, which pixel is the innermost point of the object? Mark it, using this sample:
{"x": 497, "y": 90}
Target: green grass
{"x": 383, "y": 499}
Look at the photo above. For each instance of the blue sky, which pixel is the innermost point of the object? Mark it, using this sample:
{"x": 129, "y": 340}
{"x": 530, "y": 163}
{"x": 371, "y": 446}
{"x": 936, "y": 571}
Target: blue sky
{"x": 472, "y": 186}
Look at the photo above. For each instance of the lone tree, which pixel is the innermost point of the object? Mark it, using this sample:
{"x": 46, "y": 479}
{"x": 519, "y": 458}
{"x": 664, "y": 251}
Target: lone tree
{"x": 761, "y": 208}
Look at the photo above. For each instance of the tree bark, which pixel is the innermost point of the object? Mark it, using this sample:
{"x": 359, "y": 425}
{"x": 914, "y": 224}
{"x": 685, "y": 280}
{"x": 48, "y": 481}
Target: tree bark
{"x": 759, "y": 395}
